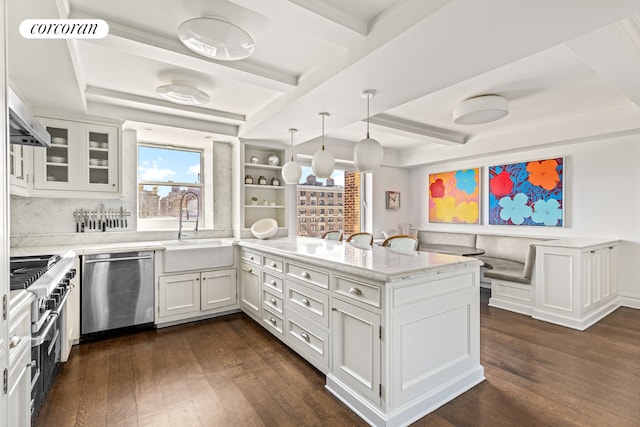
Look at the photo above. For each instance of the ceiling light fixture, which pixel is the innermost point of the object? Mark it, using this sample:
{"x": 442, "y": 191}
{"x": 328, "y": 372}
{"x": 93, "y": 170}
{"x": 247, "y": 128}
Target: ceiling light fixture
{"x": 322, "y": 161}
{"x": 216, "y": 38}
{"x": 481, "y": 109}
{"x": 291, "y": 171}
{"x": 181, "y": 93}
{"x": 368, "y": 153}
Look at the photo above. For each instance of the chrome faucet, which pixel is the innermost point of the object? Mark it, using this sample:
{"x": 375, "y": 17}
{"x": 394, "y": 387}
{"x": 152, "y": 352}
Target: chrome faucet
{"x": 182, "y": 210}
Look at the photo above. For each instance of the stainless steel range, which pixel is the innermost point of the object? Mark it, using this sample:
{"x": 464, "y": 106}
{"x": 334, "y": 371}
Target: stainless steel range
{"x": 49, "y": 278}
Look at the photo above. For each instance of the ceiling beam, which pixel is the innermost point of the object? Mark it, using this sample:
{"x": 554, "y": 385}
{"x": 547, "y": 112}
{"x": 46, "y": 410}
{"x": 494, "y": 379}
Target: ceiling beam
{"x": 211, "y": 114}
{"x": 152, "y": 46}
{"x": 312, "y": 17}
{"x": 438, "y": 135}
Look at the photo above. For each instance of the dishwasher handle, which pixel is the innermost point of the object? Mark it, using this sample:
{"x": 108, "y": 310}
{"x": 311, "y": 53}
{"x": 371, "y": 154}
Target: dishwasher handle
{"x": 128, "y": 258}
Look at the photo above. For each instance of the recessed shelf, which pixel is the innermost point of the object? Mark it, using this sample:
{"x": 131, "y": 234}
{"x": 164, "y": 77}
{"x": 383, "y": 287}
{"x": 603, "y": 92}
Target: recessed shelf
{"x": 264, "y": 207}
{"x": 261, "y": 166}
{"x": 275, "y": 187}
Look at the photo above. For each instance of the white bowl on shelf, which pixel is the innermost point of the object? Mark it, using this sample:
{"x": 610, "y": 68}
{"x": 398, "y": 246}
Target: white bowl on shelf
{"x": 94, "y": 144}
{"x": 94, "y": 162}
{"x": 264, "y": 228}
{"x": 58, "y": 140}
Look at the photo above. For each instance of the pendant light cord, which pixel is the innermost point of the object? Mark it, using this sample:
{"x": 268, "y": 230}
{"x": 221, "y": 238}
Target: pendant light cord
{"x": 368, "y": 98}
{"x": 291, "y": 132}
{"x": 322, "y": 132}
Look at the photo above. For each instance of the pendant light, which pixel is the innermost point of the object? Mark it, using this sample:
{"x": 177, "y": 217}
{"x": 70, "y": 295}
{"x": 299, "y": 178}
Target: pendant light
{"x": 368, "y": 153}
{"x": 291, "y": 171}
{"x": 323, "y": 162}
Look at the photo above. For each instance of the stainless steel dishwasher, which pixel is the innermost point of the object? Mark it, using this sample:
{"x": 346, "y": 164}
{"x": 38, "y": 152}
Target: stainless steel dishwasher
{"x": 116, "y": 291}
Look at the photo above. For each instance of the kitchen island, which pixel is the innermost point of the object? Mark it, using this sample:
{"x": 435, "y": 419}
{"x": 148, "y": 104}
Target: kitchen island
{"x": 397, "y": 335}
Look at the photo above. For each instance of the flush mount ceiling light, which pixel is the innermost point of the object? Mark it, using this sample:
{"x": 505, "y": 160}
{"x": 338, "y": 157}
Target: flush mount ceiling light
{"x": 368, "y": 153}
{"x": 322, "y": 161}
{"x": 481, "y": 109}
{"x": 216, "y": 38}
{"x": 291, "y": 171}
{"x": 184, "y": 94}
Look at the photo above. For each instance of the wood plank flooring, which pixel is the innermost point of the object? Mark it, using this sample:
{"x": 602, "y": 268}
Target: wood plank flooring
{"x": 230, "y": 372}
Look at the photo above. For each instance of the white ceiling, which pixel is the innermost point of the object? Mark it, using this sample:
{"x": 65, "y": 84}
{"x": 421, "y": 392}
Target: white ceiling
{"x": 568, "y": 68}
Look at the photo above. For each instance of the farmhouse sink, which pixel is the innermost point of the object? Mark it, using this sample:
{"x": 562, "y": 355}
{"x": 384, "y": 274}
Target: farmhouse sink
{"x": 196, "y": 254}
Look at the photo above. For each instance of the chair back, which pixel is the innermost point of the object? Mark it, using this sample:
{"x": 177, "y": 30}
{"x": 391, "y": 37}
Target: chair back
{"x": 404, "y": 243}
{"x": 361, "y": 239}
{"x": 332, "y": 235}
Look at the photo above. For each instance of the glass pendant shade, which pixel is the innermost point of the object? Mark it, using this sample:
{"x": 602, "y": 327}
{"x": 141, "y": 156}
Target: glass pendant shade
{"x": 291, "y": 171}
{"x": 181, "y": 93}
{"x": 322, "y": 161}
{"x": 368, "y": 153}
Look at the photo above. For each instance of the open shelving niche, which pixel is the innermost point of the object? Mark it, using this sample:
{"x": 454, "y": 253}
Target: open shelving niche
{"x": 271, "y": 199}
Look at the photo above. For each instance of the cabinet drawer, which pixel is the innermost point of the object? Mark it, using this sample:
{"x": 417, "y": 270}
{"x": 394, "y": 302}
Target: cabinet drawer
{"x": 310, "y": 341}
{"x": 273, "y": 263}
{"x": 273, "y": 322}
{"x": 250, "y": 257}
{"x": 272, "y": 302}
{"x": 308, "y": 275}
{"x": 359, "y": 291}
{"x": 273, "y": 282}
{"x": 311, "y": 303}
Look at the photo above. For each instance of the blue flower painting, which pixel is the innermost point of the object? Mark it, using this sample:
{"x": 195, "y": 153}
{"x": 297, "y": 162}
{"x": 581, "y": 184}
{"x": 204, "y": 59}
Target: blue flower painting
{"x": 528, "y": 193}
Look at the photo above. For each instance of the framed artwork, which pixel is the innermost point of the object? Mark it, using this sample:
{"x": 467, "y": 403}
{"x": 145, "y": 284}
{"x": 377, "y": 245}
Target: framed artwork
{"x": 392, "y": 199}
{"x": 454, "y": 197}
{"x": 527, "y": 193}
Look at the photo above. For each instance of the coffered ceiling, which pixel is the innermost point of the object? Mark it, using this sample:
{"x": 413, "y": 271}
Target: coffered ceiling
{"x": 568, "y": 68}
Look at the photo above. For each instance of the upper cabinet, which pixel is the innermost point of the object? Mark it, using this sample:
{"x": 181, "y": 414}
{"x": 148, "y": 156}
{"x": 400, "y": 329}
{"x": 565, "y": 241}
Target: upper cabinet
{"x": 82, "y": 161}
{"x": 20, "y": 169}
{"x": 264, "y": 188}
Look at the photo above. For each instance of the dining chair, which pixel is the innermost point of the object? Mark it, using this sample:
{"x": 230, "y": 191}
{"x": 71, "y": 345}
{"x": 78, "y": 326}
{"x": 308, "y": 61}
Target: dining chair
{"x": 403, "y": 242}
{"x": 333, "y": 235}
{"x": 361, "y": 239}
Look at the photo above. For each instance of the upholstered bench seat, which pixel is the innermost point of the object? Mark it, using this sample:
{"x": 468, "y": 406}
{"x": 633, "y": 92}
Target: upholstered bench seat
{"x": 504, "y": 269}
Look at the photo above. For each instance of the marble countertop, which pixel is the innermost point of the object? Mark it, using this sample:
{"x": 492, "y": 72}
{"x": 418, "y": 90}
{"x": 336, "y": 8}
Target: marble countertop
{"x": 373, "y": 262}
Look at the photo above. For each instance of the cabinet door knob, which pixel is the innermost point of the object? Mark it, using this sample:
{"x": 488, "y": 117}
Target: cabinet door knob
{"x": 197, "y": 279}
{"x": 14, "y": 341}
{"x": 306, "y": 336}
{"x": 273, "y": 320}
{"x": 274, "y": 265}
{"x": 355, "y": 291}
{"x": 305, "y": 275}
{"x": 273, "y": 301}
{"x": 204, "y": 278}
{"x": 305, "y": 302}
{"x": 251, "y": 257}
{"x": 273, "y": 283}
{"x": 248, "y": 269}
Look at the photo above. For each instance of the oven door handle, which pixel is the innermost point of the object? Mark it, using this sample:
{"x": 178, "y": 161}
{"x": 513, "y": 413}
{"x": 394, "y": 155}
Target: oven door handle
{"x": 39, "y": 339}
{"x": 128, "y": 258}
{"x": 34, "y": 380}
{"x": 52, "y": 346}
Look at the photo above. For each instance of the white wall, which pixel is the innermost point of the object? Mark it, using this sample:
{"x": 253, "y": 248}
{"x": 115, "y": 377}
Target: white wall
{"x": 389, "y": 179}
{"x": 602, "y": 197}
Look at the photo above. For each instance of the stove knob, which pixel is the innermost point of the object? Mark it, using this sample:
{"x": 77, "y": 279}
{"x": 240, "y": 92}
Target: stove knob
{"x": 51, "y": 304}
{"x": 64, "y": 283}
{"x": 71, "y": 274}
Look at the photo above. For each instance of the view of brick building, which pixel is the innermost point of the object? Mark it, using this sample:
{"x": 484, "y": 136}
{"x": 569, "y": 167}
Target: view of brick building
{"x": 328, "y": 207}
{"x": 152, "y": 205}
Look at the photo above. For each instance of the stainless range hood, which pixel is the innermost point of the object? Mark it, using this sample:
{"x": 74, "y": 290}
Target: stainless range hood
{"x": 24, "y": 128}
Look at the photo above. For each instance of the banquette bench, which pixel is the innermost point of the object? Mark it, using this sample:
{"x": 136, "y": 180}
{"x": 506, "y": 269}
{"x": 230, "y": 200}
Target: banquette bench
{"x": 508, "y": 263}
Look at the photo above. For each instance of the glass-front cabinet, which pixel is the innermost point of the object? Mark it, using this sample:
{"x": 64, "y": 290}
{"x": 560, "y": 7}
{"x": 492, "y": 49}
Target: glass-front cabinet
{"x": 82, "y": 157}
{"x": 19, "y": 168}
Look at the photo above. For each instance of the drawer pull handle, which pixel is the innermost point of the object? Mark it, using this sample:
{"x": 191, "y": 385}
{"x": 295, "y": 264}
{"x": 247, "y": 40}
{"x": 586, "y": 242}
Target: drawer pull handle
{"x": 355, "y": 291}
{"x": 248, "y": 269}
{"x": 305, "y": 302}
{"x": 305, "y": 275}
{"x": 204, "y": 278}
{"x": 197, "y": 279}
{"x": 273, "y": 283}
{"x": 305, "y": 336}
{"x": 273, "y": 320}
{"x": 273, "y": 301}
{"x": 14, "y": 341}
{"x": 251, "y": 257}
{"x": 274, "y": 265}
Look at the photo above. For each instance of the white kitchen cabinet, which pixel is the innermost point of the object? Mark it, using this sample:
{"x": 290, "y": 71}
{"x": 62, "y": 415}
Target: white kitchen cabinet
{"x": 264, "y": 198}
{"x": 20, "y": 169}
{"x": 576, "y": 281}
{"x": 70, "y": 319}
{"x": 195, "y": 294}
{"x": 251, "y": 290}
{"x": 356, "y": 348}
{"x": 82, "y": 161}
{"x": 19, "y": 372}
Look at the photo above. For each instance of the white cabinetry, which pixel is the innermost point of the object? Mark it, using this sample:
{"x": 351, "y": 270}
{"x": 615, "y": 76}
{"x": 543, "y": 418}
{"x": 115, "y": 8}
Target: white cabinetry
{"x": 264, "y": 191}
{"x": 20, "y": 169}
{"x": 70, "y": 319}
{"x": 195, "y": 294}
{"x": 83, "y": 160}
{"x": 576, "y": 281}
{"x": 19, "y": 373}
{"x": 250, "y": 284}
{"x": 273, "y": 304}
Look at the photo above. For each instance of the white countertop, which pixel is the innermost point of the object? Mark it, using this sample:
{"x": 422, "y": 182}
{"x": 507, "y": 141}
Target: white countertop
{"x": 578, "y": 242}
{"x": 373, "y": 262}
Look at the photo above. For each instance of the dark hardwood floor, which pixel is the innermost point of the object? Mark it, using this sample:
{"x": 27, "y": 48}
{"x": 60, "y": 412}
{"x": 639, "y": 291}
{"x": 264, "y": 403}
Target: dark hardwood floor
{"x": 230, "y": 372}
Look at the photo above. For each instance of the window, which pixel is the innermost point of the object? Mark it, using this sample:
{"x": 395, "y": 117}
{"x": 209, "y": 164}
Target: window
{"x": 164, "y": 176}
{"x": 344, "y": 187}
